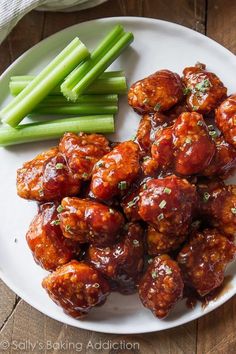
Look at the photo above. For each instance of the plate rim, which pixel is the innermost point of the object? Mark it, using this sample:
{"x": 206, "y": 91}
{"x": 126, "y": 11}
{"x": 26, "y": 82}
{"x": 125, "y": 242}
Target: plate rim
{"x": 82, "y": 324}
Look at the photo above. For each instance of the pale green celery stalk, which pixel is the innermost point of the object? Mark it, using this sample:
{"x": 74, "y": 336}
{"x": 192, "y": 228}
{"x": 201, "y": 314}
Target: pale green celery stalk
{"x": 22, "y": 78}
{"x": 54, "y": 129}
{"x": 108, "y": 82}
{"x": 115, "y": 85}
{"x": 107, "y": 43}
{"x": 44, "y": 82}
{"x": 76, "y": 86}
{"x": 104, "y": 75}
{"x": 84, "y": 99}
{"x": 74, "y": 109}
{"x": 62, "y": 55}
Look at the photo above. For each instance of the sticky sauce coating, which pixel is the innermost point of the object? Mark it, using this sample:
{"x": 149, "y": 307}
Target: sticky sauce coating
{"x": 76, "y": 287}
{"x": 161, "y": 286}
{"x": 157, "y": 92}
{"x": 84, "y": 220}
{"x": 204, "y": 259}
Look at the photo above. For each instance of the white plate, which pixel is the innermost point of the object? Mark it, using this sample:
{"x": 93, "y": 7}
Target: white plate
{"x": 157, "y": 45}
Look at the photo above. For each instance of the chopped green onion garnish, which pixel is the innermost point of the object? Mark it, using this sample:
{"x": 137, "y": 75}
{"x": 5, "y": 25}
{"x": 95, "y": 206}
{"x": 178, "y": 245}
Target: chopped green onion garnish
{"x": 162, "y": 204}
{"x": 60, "y": 208}
{"x": 168, "y": 270}
{"x": 203, "y": 86}
{"x": 167, "y": 190}
{"x": 154, "y": 274}
{"x": 233, "y": 210}
{"x": 60, "y": 166}
{"x": 133, "y": 202}
{"x": 55, "y": 222}
{"x": 100, "y": 164}
{"x": 146, "y": 100}
{"x": 157, "y": 107}
{"x": 186, "y": 90}
{"x": 122, "y": 185}
{"x": 160, "y": 217}
{"x": 146, "y": 158}
{"x": 200, "y": 123}
{"x": 111, "y": 211}
{"x": 135, "y": 243}
{"x": 206, "y": 196}
{"x": 213, "y": 133}
{"x": 85, "y": 175}
{"x": 68, "y": 228}
{"x": 188, "y": 140}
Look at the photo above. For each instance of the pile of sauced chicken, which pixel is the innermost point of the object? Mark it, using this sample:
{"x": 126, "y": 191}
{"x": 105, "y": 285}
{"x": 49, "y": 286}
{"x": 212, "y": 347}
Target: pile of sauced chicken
{"x": 152, "y": 214}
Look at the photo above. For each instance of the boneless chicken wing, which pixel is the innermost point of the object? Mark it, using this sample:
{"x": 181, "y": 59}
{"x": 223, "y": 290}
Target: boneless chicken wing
{"x": 168, "y": 204}
{"x": 84, "y": 220}
{"x": 47, "y": 177}
{"x": 218, "y": 205}
{"x": 204, "y": 89}
{"x": 122, "y": 262}
{"x": 113, "y": 174}
{"x": 186, "y": 148}
{"x": 148, "y": 125}
{"x": 161, "y": 286}
{"x": 77, "y": 287}
{"x": 226, "y": 119}
{"x": 82, "y": 151}
{"x": 157, "y": 92}
{"x": 203, "y": 260}
{"x": 44, "y": 237}
{"x": 223, "y": 163}
{"x": 161, "y": 243}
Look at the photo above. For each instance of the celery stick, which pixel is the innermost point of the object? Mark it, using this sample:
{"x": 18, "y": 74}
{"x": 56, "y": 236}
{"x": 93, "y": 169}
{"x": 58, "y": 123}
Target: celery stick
{"x": 106, "y": 44}
{"x": 84, "y": 99}
{"x": 108, "y": 82}
{"x": 76, "y": 109}
{"x": 73, "y": 87}
{"x": 54, "y": 129}
{"x": 44, "y": 82}
{"x": 115, "y": 85}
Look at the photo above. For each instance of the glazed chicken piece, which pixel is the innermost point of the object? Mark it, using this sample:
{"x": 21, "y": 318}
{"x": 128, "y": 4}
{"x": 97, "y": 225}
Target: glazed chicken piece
{"x": 226, "y": 119}
{"x": 49, "y": 247}
{"x": 218, "y": 205}
{"x": 204, "y": 89}
{"x": 223, "y": 163}
{"x": 186, "y": 148}
{"x": 159, "y": 243}
{"x": 82, "y": 151}
{"x": 161, "y": 286}
{"x": 122, "y": 262}
{"x": 168, "y": 204}
{"x": 77, "y": 287}
{"x": 145, "y": 133}
{"x": 113, "y": 174}
{"x": 175, "y": 111}
{"x": 156, "y": 93}
{"x": 46, "y": 178}
{"x": 84, "y": 220}
{"x": 148, "y": 125}
{"x": 130, "y": 204}
{"x": 204, "y": 258}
